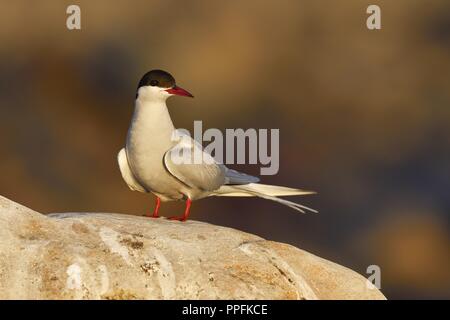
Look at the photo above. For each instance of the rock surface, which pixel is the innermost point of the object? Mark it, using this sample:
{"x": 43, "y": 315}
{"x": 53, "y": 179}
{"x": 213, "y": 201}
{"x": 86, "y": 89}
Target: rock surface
{"x": 114, "y": 256}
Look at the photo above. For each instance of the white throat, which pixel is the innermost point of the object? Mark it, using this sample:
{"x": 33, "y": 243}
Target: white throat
{"x": 151, "y": 121}
{"x": 150, "y": 133}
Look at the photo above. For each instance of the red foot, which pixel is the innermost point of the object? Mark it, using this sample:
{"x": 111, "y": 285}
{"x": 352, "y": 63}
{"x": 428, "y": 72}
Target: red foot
{"x": 186, "y": 212}
{"x": 155, "y": 212}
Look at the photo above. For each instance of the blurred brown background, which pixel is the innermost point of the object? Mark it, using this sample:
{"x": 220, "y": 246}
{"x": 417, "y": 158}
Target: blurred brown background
{"x": 364, "y": 117}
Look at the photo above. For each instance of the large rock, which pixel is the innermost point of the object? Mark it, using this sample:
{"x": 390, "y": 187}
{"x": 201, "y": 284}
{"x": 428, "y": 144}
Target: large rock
{"x": 115, "y": 256}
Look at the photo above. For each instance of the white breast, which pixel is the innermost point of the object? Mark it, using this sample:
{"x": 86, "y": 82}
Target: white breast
{"x": 149, "y": 138}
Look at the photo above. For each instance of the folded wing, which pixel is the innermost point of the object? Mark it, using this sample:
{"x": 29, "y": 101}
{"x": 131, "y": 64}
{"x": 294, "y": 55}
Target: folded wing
{"x": 204, "y": 174}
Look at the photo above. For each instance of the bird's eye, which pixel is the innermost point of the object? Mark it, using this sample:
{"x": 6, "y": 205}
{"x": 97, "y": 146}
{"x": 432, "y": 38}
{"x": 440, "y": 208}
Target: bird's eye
{"x": 153, "y": 83}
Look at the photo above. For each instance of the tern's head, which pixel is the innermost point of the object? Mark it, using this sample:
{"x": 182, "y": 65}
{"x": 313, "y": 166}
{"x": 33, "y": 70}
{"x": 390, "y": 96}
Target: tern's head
{"x": 159, "y": 85}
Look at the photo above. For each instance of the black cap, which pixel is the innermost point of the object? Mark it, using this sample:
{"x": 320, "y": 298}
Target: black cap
{"x": 157, "y": 78}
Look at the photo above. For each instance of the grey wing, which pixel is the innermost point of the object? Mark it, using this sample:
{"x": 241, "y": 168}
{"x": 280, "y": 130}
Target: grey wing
{"x": 207, "y": 174}
{"x": 236, "y": 177}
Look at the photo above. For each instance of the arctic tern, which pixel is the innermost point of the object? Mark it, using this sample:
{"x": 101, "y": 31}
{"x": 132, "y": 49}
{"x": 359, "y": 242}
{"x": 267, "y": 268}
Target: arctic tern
{"x": 147, "y": 160}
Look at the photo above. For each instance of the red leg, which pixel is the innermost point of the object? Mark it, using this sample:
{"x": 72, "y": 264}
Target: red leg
{"x": 186, "y": 212}
{"x": 155, "y": 212}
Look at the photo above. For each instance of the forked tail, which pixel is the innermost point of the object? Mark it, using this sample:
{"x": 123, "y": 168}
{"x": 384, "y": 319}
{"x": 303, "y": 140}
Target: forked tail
{"x": 265, "y": 191}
